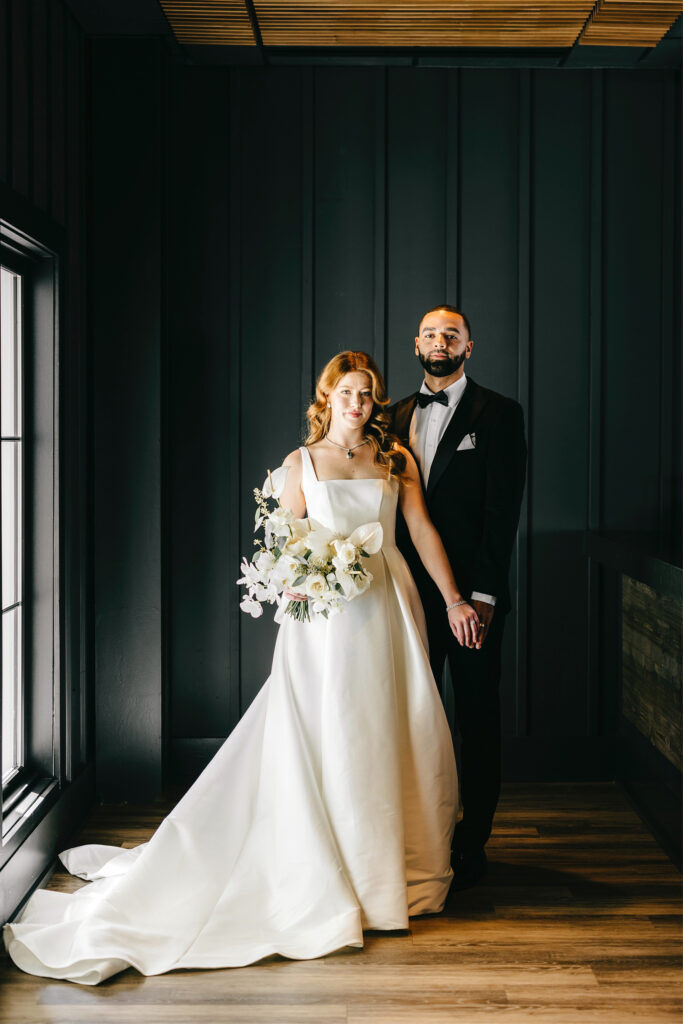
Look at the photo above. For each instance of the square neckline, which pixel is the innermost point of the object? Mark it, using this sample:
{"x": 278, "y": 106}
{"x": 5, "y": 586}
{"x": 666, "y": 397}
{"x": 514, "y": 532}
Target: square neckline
{"x": 338, "y": 479}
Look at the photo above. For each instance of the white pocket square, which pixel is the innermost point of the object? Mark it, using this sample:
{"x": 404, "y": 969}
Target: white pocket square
{"x": 468, "y": 442}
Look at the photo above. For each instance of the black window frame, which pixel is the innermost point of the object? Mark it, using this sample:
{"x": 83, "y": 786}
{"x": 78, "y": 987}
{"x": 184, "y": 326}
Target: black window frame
{"x": 35, "y": 786}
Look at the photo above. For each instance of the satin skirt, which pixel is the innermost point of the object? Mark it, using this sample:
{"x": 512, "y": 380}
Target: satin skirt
{"x": 328, "y": 810}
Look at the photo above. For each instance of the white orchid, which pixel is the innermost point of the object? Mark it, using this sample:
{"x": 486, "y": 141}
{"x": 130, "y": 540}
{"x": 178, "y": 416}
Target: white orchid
{"x": 326, "y": 608}
{"x": 264, "y": 561}
{"x": 250, "y": 573}
{"x": 252, "y": 607}
{"x": 266, "y": 592}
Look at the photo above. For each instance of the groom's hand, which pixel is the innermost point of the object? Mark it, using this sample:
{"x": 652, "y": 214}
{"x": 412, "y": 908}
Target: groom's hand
{"x": 484, "y": 612}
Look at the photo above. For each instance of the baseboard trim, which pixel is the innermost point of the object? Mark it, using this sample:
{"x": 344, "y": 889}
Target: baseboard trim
{"x": 560, "y": 758}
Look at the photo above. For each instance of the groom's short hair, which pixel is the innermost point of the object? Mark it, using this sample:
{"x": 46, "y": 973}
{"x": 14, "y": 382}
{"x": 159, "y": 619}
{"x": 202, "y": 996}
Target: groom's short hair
{"x": 451, "y": 309}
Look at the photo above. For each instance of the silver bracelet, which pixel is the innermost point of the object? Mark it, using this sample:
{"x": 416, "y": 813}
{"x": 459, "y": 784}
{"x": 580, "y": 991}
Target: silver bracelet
{"x": 456, "y": 604}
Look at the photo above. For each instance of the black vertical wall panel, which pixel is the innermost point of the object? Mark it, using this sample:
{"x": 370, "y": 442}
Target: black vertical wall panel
{"x": 271, "y": 316}
{"x": 20, "y": 55}
{"x": 126, "y": 326}
{"x": 75, "y": 425}
{"x": 558, "y": 434}
{"x": 673, "y": 394}
{"x": 198, "y": 413}
{"x": 489, "y": 256}
{"x": 344, "y": 189}
{"x": 489, "y": 198}
{"x": 40, "y": 101}
{"x": 5, "y": 90}
{"x": 632, "y": 302}
{"x": 417, "y": 142}
{"x": 58, "y": 153}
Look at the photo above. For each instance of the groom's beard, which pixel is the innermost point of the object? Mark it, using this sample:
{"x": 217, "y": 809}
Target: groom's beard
{"x": 442, "y": 367}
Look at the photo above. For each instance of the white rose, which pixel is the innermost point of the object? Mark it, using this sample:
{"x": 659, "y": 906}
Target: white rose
{"x": 346, "y": 552}
{"x": 316, "y": 586}
{"x": 296, "y": 546}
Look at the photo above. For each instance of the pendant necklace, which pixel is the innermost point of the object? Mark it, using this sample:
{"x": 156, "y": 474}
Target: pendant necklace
{"x": 349, "y": 451}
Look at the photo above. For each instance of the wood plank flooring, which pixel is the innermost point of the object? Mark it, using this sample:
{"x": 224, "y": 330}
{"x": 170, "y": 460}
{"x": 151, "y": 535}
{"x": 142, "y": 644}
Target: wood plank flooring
{"x": 579, "y": 919}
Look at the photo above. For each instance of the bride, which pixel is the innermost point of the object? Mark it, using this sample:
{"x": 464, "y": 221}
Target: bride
{"x": 330, "y": 808}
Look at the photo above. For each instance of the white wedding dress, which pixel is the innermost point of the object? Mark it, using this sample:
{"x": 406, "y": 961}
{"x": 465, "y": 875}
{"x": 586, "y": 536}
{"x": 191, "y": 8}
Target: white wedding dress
{"x": 328, "y": 810}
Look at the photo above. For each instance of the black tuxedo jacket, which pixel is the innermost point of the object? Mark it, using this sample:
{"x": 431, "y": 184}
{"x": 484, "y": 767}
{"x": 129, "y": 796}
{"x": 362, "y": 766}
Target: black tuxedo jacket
{"x": 473, "y": 495}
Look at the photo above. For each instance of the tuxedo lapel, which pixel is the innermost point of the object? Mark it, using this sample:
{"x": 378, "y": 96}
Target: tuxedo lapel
{"x": 402, "y": 417}
{"x": 469, "y": 407}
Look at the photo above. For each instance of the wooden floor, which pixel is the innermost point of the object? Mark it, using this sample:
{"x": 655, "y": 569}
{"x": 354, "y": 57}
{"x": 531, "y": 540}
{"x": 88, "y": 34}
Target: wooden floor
{"x": 577, "y": 920}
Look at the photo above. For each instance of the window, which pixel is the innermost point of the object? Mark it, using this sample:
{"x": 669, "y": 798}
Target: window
{"x": 11, "y": 519}
{"x": 33, "y": 707}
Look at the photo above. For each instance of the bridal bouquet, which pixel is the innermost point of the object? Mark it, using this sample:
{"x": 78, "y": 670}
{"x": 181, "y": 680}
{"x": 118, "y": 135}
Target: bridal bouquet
{"x": 302, "y": 555}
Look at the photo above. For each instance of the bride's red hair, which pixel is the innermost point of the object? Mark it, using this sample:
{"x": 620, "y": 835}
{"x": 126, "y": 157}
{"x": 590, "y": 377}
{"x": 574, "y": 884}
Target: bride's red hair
{"x": 384, "y": 443}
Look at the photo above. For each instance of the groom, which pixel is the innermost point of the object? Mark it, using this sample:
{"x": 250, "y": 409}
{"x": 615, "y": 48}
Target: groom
{"x": 469, "y": 444}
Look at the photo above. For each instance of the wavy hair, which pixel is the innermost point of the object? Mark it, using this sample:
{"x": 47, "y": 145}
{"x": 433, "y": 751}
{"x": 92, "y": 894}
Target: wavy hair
{"x": 383, "y": 441}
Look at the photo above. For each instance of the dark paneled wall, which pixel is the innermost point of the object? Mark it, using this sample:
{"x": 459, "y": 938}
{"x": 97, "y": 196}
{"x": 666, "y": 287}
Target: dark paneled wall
{"x": 43, "y": 187}
{"x": 43, "y": 167}
{"x": 127, "y": 274}
{"x": 309, "y": 210}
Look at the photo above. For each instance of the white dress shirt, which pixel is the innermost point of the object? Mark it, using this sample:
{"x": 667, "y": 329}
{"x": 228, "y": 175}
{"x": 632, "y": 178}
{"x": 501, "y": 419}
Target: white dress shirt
{"x": 427, "y": 427}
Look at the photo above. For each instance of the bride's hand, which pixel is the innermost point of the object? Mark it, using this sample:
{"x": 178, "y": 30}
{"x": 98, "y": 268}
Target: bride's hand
{"x": 464, "y": 623}
{"x": 294, "y": 595}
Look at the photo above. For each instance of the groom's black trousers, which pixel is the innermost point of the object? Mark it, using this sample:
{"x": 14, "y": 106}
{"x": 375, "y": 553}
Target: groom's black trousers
{"x": 476, "y": 688}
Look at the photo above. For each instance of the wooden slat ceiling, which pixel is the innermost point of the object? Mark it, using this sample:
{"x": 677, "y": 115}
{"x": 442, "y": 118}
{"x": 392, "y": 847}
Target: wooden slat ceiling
{"x": 615, "y": 23}
{"x": 422, "y": 23}
{"x": 410, "y": 23}
{"x": 212, "y": 22}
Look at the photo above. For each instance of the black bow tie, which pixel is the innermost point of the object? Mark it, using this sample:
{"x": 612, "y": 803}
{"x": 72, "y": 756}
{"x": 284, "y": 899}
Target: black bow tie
{"x": 424, "y": 399}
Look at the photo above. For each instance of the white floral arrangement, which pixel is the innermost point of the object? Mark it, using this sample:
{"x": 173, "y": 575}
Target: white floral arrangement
{"x": 303, "y": 555}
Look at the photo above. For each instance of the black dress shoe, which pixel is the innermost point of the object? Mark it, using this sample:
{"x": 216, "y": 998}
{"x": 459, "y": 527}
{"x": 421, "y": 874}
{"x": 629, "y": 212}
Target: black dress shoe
{"x": 468, "y": 868}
